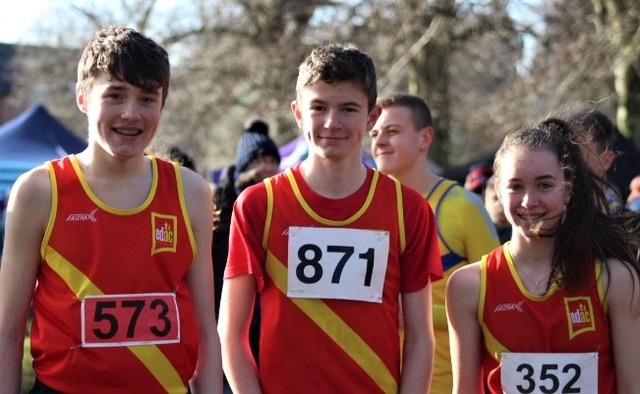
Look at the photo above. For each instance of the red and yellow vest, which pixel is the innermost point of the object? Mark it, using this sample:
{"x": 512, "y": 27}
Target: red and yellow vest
{"x": 559, "y": 322}
{"x": 92, "y": 249}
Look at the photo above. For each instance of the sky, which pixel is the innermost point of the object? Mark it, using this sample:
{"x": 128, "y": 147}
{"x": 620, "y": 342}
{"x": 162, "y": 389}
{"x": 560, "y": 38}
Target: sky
{"x": 23, "y": 21}
{"x": 17, "y": 17}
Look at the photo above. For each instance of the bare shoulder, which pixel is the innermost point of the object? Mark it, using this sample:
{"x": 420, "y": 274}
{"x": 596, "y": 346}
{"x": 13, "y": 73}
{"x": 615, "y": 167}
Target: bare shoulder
{"x": 464, "y": 283}
{"x": 194, "y": 184}
{"x": 466, "y": 276}
{"x": 623, "y": 284}
{"x": 33, "y": 188}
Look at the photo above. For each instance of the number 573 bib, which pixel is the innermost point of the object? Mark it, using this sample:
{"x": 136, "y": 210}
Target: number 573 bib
{"x": 337, "y": 263}
{"x": 549, "y": 373}
{"x": 130, "y": 319}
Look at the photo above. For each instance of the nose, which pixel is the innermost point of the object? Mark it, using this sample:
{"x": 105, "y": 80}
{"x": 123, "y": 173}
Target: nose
{"x": 529, "y": 199}
{"x": 380, "y": 138}
{"x": 130, "y": 110}
{"x": 332, "y": 121}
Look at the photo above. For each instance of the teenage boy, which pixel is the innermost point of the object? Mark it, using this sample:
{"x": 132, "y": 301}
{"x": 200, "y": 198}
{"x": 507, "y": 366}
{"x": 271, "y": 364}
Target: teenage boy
{"x": 118, "y": 244}
{"x": 334, "y": 248}
{"x": 400, "y": 144}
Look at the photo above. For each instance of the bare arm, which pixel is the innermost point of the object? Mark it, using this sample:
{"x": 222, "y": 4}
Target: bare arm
{"x": 623, "y": 300}
{"x": 27, "y": 215}
{"x": 238, "y": 294}
{"x": 462, "y": 295}
{"x": 208, "y": 374}
{"x": 419, "y": 342}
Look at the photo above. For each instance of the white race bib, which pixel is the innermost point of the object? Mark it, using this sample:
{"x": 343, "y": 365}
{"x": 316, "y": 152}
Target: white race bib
{"x": 337, "y": 263}
{"x": 549, "y": 373}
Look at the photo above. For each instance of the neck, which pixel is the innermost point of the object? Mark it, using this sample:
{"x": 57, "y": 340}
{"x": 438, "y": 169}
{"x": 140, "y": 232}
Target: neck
{"x": 333, "y": 179}
{"x": 537, "y": 252}
{"x": 420, "y": 178}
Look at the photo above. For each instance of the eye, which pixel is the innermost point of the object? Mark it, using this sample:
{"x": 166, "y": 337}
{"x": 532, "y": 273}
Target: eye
{"x": 545, "y": 186}
{"x": 514, "y": 187}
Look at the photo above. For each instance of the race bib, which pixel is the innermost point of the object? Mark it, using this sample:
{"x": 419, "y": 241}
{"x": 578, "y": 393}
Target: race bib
{"x": 337, "y": 263}
{"x": 549, "y": 373}
{"x": 130, "y": 319}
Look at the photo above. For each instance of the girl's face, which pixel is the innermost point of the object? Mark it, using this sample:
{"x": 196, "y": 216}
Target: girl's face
{"x": 533, "y": 191}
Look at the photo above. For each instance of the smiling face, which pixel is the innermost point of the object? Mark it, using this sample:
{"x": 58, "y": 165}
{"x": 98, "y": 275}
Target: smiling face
{"x": 533, "y": 191}
{"x": 396, "y": 145}
{"x": 122, "y": 118}
{"x": 334, "y": 118}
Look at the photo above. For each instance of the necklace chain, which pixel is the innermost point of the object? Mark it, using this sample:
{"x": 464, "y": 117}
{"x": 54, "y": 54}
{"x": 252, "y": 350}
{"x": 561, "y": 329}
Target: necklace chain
{"x": 537, "y": 283}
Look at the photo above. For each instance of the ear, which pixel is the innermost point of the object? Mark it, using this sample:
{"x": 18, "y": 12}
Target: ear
{"x": 373, "y": 116}
{"x": 426, "y": 137}
{"x": 296, "y": 113}
{"x": 496, "y": 188}
{"x": 606, "y": 159}
{"x": 81, "y": 101}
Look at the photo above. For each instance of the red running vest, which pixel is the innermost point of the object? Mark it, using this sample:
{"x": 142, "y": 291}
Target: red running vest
{"x": 142, "y": 255}
{"x": 514, "y": 321}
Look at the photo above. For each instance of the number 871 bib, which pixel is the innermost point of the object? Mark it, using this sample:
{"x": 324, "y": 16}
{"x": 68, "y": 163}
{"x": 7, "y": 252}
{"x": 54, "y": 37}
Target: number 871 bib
{"x": 337, "y": 263}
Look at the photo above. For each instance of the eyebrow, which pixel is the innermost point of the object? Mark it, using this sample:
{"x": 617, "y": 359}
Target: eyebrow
{"x": 343, "y": 104}
{"x": 538, "y": 178}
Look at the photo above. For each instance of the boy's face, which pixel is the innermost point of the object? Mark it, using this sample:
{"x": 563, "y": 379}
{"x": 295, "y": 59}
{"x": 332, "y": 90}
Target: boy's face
{"x": 396, "y": 145}
{"x": 334, "y": 118}
{"x": 122, "y": 118}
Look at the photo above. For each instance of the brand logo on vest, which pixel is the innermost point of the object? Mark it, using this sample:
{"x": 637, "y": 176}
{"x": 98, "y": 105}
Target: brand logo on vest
{"x": 164, "y": 234}
{"x": 511, "y": 306}
{"x": 83, "y": 217}
{"x": 579, "y": 315}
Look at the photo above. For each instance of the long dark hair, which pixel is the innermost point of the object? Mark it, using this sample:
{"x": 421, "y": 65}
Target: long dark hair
{"x": 586, "y": 232}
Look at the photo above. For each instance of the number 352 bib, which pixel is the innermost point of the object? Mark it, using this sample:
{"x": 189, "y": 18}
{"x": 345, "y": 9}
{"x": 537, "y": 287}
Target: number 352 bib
{"x": 337, "y": 263}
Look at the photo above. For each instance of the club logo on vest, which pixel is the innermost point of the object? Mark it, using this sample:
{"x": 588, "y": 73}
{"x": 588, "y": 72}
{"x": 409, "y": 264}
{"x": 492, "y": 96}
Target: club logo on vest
{"x": 579, "y": 315}
{"x": 164, "y": 235}
{"x": 83, "y": 217}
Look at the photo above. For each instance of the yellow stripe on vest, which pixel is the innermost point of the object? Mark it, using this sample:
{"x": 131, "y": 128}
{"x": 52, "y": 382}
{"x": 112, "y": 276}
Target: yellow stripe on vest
{"x": 152, "y": 358}
{"x": 336, "y": 328}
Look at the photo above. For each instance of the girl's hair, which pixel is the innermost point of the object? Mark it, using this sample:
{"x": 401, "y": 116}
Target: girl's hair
{"x": 586, "y": 231}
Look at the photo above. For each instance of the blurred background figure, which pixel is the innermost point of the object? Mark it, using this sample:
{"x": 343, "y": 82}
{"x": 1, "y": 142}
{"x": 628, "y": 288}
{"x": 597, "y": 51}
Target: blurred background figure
{"x": 181, "y": 157}
{"x": 257, "y": 157}
{"x": 597, "y": 136}
{"x": 633, "y": 201}
{"x": 496, "y": 211}
{"x": 476, "y": 180}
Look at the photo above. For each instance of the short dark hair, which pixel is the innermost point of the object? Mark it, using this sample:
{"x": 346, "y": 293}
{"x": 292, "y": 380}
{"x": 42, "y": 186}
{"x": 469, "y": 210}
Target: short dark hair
{"x": 126, "y": 55}
{"x": 591, "y": 124}
{"x": 339, "y": 63}
{"x": 420, "y": 112}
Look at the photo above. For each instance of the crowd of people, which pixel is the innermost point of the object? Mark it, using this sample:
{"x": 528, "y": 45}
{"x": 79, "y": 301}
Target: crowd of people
{"x": 327, "y": 276}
